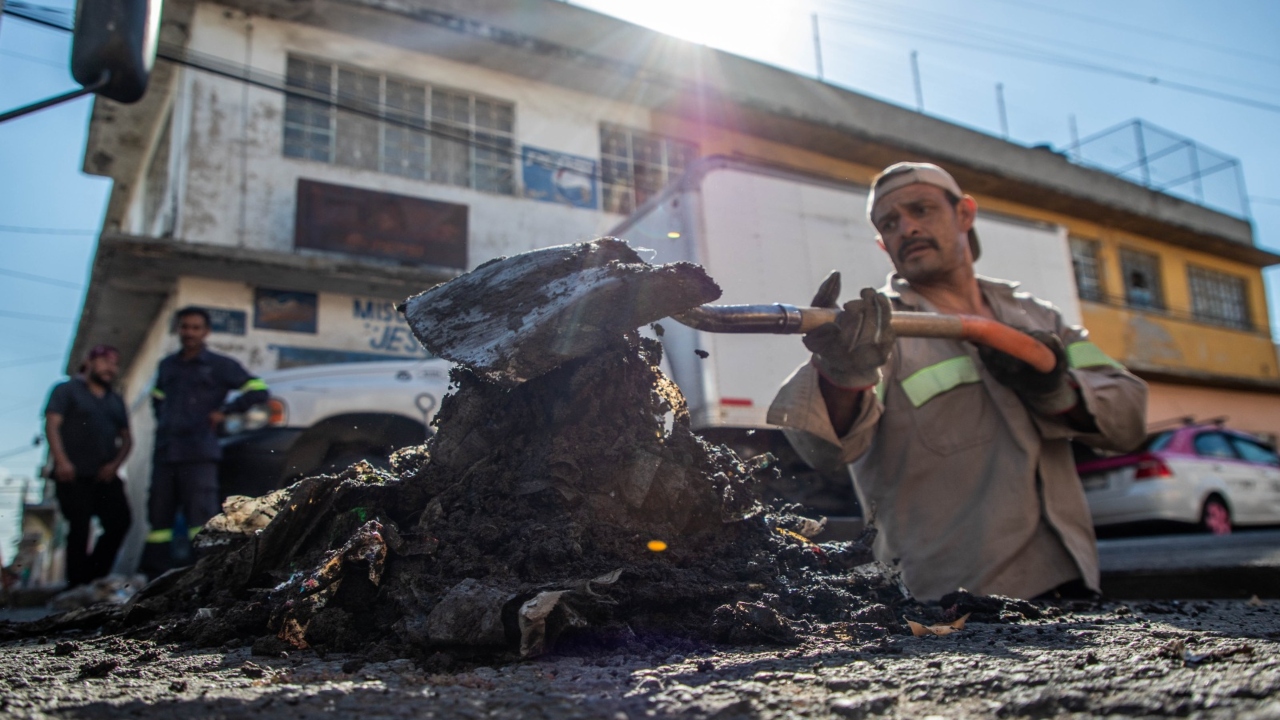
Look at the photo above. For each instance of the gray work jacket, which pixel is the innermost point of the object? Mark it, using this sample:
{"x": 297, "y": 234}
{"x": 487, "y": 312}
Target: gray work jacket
{"x": 968, "y": 487}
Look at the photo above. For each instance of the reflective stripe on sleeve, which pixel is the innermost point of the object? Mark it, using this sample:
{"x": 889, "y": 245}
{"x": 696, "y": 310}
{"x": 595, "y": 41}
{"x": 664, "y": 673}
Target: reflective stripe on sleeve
{"x": 157, "y": 393}
{"x": 160, "y": 536}
{"x": 193, "y": 531}
{"x": 253, "y": 384}
{"x": 925, "y": 384}
{"x": 1085, "y": 354}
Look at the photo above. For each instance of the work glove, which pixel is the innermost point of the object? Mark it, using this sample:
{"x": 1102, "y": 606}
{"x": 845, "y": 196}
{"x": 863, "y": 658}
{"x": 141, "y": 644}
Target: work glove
{"x": 850, "y": 351}
{"x": 1050, "y": 393}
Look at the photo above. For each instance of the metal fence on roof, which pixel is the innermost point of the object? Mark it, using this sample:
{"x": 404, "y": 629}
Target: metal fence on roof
{"x": 1170, "y": 163}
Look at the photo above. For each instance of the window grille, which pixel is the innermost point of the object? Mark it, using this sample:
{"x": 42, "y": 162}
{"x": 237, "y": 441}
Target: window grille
{"x": 1084, "y": 258}
{"x": 635, "y": 165}
{"x": 1141, "y": 279}
{"x": 471, "y": 142}
{"x": 1218, "y": 298}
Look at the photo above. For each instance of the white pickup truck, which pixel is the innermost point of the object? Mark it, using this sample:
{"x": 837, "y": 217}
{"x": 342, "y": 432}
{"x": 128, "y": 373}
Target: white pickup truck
{"x": 325, "y": 417}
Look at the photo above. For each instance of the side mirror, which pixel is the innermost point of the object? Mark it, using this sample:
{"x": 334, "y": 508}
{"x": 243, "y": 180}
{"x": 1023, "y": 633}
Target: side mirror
{"x": 118, "y": 38}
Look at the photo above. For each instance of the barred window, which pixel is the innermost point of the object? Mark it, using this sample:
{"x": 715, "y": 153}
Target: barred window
{"x": 635, "y": 165}
{"x": 445, "y": 136}
{"x": 1219, "y": 298}
{"x": 1084, "y": 258}
{"x": 1141, "y": 279}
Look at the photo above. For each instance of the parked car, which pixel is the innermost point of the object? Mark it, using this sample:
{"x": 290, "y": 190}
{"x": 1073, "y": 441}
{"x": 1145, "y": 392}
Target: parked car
{"x": 322, "y": 418}
{"x": 1207, "y": 475}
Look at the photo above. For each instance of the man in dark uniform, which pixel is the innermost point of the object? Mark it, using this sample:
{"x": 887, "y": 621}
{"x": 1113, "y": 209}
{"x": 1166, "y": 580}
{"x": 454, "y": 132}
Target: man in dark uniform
{"x": 88, "y": 432}
{"x": 189, "y": 402}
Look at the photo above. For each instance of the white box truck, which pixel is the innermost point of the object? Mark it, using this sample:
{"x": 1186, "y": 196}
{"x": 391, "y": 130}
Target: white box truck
{"x": 767, "y": 235}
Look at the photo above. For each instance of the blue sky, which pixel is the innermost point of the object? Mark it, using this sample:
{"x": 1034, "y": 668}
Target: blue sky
{"x": 1053, "y": 60}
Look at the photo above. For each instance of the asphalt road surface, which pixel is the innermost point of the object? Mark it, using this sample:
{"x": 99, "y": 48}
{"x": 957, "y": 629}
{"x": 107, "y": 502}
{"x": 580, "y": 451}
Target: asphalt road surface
{"x": 1214, "y": 659}
{"x": 1240, "y": 565}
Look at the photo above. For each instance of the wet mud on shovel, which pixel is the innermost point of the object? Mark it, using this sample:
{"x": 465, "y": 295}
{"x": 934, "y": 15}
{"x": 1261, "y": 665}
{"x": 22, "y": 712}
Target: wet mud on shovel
{"x": 515, "y": 318}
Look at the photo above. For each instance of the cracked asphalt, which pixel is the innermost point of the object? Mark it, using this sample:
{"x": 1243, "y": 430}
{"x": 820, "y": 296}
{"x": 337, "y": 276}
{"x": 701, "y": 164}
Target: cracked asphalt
{"x": 1210, "y": 659}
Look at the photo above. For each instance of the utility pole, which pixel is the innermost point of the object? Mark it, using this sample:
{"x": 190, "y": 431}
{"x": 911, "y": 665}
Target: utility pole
{"x": 1075, "y": 137}
{"x": 1004, "y": 117}
{"x": 915, "y": 74}
{"x": 817, "y": 45}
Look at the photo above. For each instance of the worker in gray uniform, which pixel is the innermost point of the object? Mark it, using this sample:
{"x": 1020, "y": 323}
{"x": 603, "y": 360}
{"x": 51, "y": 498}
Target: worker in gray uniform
{"x": 960, "y": 453}
{"x": 189, "y": 400}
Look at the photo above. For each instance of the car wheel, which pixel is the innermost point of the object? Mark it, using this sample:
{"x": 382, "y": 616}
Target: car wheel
{"x": 1215, "y": 518}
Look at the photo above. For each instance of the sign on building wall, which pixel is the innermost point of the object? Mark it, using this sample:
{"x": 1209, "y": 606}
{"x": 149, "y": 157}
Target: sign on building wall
{"x": 382, "y": 225}
{"x": 558, "y": 177}
{"x": 284, "y": 310}
{"x": 383, "y": 329}
{"x": 222, "y": 320}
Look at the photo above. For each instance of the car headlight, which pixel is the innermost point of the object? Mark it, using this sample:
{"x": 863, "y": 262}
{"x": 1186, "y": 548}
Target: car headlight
{"x": 270, "y": 414}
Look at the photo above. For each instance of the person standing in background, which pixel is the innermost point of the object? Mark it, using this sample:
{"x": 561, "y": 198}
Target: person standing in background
{"x": 87, "y": 428}
{"x": 189, "y": 400}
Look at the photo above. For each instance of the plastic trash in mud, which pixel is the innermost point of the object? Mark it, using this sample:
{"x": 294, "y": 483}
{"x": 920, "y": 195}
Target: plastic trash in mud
{"x": 113, "y": 589}
{"x": 241, "y": 515}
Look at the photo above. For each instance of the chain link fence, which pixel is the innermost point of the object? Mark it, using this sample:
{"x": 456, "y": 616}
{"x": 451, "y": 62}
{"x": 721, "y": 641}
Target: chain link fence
{"x": 1161, "y": 160}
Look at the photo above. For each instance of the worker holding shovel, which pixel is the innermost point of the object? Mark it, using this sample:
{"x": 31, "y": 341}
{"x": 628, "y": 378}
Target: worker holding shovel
{"x": 960, "y": 451}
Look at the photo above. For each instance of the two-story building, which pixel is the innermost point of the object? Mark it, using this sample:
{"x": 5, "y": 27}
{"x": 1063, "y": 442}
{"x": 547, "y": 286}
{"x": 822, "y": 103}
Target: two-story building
{"x": 299, "y": 167}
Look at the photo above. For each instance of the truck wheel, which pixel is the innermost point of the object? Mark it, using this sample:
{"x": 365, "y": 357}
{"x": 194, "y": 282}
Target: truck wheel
{"x": 1215, "y": 518}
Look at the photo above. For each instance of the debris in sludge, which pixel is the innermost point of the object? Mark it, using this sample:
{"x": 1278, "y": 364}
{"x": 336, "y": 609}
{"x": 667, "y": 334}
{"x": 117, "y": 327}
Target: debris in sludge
{"x": 529, "y": 518}
{"x": 576, "y": 508}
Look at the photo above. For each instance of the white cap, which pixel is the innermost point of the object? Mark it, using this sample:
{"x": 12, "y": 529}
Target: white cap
{"x": 900, "y": 175}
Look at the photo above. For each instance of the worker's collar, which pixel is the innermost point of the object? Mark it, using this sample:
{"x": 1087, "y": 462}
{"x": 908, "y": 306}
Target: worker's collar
{"x": 898, "y": 290}
{"x": 200, "y": 357}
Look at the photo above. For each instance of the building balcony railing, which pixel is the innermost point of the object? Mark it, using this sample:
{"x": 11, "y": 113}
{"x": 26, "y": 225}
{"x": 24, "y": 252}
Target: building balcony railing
{"x": 1123, "y": 302}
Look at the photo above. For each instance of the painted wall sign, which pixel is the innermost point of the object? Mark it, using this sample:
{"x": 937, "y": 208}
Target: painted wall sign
{"x": 558, "y": 177}
{"x": 368, "y": 223}
{"x": 385, "y": 328}
{"x": 286, "y": 310}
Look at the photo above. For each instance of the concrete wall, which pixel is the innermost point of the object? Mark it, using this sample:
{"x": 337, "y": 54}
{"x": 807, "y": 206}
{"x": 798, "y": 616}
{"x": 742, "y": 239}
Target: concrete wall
{"x": 237, "y": 187}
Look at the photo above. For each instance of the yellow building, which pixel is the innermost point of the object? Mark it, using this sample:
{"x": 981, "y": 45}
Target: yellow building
{"x": 1183, "y": 307}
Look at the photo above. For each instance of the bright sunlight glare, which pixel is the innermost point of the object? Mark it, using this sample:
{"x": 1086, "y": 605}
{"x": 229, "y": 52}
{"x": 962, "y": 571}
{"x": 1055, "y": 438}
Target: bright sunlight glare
{"x": 772, "y": 30}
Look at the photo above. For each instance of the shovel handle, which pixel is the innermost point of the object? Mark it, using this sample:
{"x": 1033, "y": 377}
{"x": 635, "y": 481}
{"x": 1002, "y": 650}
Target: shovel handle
{"x": 788, "y": 319}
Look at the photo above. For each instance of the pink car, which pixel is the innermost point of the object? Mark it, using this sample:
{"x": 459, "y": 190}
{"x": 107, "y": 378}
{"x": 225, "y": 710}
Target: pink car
{"x": 1208, "y": 475}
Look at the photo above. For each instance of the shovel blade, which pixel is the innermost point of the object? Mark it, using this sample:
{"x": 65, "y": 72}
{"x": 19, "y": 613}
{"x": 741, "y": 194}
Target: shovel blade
{"x": 515, "y": 318}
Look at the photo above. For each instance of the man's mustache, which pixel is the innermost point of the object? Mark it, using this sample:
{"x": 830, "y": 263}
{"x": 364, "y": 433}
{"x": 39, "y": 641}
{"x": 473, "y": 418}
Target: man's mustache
{"x": 911, "y": 244}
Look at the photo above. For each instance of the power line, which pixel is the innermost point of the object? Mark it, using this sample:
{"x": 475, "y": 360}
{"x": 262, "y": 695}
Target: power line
{"x": 32, "y": 316}
{"x": 246, "y": 74}
{"x": 34, "y": 59}
{"x": 41, "y": 279}
{"x": 30, "y": 360}
{"x": 1181, "y": 39}
{"x": 267, "y": 81}
{"x": 998, "y": 34}
{"x": 19, "y": 450}
{"x": 45, "y": 231}
{"x": 1065, "y": 61}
